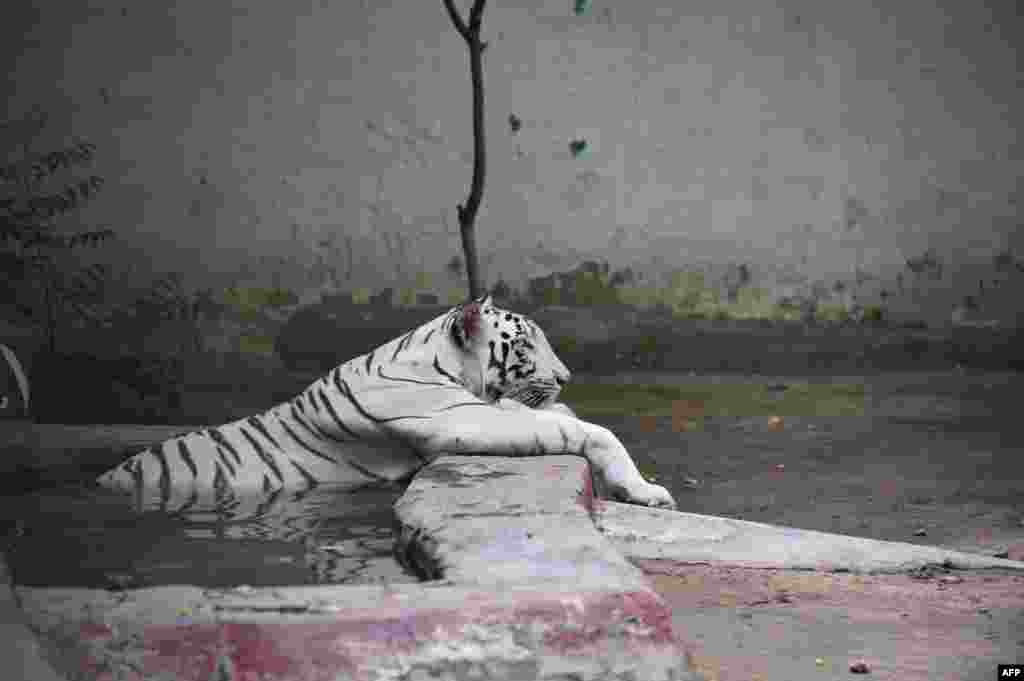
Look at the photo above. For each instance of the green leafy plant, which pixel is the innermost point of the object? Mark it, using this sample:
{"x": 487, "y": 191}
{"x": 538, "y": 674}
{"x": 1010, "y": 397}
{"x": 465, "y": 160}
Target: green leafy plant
{"x": 40, "y": 279}
{"x": 577, "y": 147}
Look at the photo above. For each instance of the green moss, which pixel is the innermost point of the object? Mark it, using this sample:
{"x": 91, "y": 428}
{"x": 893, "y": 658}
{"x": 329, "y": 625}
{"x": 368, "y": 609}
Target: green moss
{"x": 785, "y": 312}
{"x": 552, "y": 296}
{"x": 832, "y": 312}
{"x": 592, "y": 289}
{"x": 687, "y": 298}
{"x": 255, "y": 344}
{"x": 279, "y": 297}
{"x": 874, "y": 313}
{"x": 249, "y": 314}
{"x": 455, "y": 296}
{"x": 423, "y": 281}
{"x": 639, "y": 296}
{"x": 564, "y": 344}
{"x": 249, "y": 299}
{"x": 752, "y": 303}
{"x": 647, "y": 344}
{"x": 800, "y": 399}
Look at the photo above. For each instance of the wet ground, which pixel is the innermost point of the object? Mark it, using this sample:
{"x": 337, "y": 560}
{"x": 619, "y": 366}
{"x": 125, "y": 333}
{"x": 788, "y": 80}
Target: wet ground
{"x": 935, "y": 459}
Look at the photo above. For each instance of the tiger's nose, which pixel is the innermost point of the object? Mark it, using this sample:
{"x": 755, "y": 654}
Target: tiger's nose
{"x": 562, "y": 379}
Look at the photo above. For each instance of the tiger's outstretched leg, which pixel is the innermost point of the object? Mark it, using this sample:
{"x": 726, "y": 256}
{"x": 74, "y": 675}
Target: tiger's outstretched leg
{"x": 533, "y": 432}
{"x": 557, "y": 407}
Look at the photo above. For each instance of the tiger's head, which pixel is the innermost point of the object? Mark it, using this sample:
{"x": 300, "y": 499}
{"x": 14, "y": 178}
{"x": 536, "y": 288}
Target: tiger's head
{"x": 504, "y": 354}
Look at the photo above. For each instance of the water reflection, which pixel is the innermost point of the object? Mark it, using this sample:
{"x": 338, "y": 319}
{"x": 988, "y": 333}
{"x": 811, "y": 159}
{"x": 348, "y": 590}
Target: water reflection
{"x": 89, "y": 537}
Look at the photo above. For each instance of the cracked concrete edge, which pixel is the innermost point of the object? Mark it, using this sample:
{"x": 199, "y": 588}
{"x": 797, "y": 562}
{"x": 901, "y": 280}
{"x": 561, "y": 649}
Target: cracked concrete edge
{"x": 646, "y": 533}
{"x": 531, "y": 590}
{"x": 21, "y": 652}
{"x": 370, "y": 633}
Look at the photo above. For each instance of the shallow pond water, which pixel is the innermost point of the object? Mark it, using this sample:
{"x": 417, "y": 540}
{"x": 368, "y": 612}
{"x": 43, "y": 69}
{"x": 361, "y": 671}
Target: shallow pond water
{"x": 88, "y": 537}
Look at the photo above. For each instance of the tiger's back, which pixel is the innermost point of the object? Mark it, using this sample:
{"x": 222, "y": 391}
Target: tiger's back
{"x": 321, "y": 436}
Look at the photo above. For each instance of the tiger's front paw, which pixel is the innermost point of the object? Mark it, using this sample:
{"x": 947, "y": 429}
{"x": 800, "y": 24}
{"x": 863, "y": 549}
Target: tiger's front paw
{"x": 646, "y": 494}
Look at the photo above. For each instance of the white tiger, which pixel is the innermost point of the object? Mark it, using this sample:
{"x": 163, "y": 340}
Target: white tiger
{"x": 475, "y": 380}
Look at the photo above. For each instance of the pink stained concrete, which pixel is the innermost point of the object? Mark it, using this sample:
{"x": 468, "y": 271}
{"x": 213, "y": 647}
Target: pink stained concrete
{"x": 569, "y": 624}
{"x": 903, "y": 628}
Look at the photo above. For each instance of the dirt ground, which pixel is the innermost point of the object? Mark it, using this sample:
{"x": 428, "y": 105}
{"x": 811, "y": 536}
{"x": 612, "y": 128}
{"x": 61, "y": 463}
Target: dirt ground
{"x": 937, "y": 458}
{"x": 766, "y": 625}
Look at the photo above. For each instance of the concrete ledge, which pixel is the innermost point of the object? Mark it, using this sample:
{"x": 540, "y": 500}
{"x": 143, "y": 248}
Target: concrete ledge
{"x": 530, "y": 590}
{"x": 19, "y": 649}
{"x": 356, "y": 633}
{"x": 653, "y": 534}
{"x": 500, "y": 521}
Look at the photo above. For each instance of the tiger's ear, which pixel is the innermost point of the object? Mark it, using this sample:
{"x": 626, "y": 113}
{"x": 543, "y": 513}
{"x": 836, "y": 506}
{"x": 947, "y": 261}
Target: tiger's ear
{"x": 468, "y": 321}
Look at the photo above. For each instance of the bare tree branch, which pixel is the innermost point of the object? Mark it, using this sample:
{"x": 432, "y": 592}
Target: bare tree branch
{"x": 453, "y": 14}
{"x": 467, "y": 212}
{"x": 476, "y": 17}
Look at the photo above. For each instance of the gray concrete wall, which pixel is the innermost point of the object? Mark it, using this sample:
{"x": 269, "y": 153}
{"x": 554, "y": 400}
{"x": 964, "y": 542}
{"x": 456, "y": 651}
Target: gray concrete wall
{"x": 821, "y": 134}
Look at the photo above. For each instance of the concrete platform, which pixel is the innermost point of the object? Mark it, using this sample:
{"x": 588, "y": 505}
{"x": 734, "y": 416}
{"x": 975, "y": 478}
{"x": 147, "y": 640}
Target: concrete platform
{"x": 688, "y": 538}
{"x": 759, "y": 602}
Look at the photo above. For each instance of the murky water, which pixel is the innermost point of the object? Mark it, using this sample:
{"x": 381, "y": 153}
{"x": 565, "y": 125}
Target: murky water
{"x": 85, "y": 537}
